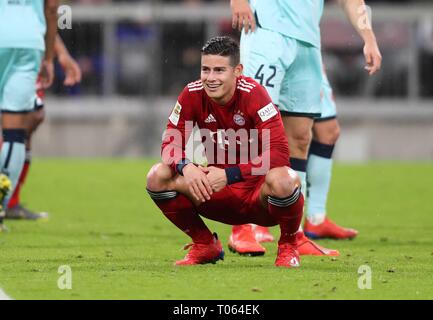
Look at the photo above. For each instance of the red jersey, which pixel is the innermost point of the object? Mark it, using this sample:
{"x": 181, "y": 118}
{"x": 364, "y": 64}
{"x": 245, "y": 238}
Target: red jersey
{"x": 229, "y": 131}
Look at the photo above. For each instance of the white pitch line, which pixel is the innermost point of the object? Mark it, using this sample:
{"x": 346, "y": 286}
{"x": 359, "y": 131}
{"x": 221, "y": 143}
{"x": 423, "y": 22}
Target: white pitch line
{"x": 4, "y": 296}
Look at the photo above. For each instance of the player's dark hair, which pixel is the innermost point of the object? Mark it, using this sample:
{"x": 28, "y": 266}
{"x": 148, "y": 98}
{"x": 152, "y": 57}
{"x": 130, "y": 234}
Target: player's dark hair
{"x": 223, "y": 46}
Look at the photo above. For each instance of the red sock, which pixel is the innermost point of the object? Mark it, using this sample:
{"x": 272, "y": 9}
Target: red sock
{"x": 289, "y": 217}
{"x": 15, "y": 199}
{"x": 181, "y": 212}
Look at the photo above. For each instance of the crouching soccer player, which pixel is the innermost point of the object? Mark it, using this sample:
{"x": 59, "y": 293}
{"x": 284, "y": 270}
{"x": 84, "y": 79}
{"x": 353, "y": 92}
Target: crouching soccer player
{"x": 262, "y": 190}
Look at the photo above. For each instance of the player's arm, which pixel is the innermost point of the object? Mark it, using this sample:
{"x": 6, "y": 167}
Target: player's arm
{"x": 242, "y": 16}
{"x": 50, "y": 11}
{"x": 356, "y": 11}
{"x": 68, "y": 64}
{"x": 47, "y": 67}
{"x": 179, "y": 128}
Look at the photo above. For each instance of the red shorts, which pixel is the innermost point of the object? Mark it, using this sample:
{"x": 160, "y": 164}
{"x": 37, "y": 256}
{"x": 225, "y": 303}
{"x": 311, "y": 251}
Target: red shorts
{"x": 238, "y": 203}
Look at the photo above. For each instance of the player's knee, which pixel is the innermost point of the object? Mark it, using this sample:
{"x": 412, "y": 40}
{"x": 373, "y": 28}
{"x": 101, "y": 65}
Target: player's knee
{"x": 328, "y": 133}
{"x": 35, "y": 120}
{"x": 282, "y": 182}
{"x": 158, "y": 176}
{"x": 300, "y": 140}
{"x": 334, "y": 134}
{"x": 39, "y": 117}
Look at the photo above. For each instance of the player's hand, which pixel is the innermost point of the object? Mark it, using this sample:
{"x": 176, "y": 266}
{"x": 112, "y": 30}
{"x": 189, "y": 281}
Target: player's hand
{"x": 373, "y": 58}
{"x": 197, "y": 182}
{"x": 46, "y": 74}
{"x": 71, "y": 68}
{"x": 242, "y": 16}
{"x": 217, "y": 178}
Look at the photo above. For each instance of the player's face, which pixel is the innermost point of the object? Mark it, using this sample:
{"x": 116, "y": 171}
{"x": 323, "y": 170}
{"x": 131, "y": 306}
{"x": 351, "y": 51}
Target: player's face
{"x": 219, "y": 77}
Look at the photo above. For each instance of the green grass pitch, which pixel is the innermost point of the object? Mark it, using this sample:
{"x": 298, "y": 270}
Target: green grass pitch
{"x": 119, "y": 246}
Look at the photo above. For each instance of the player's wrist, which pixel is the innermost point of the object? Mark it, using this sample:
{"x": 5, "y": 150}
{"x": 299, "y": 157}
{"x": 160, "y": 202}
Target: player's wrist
{"x": 182, "y": 164}
{"x": 48, "y": 59}
{"x": 233, "y": 174}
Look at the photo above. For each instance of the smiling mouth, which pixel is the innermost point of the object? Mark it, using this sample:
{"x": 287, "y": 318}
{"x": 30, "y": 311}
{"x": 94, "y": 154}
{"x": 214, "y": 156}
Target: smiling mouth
{"x": 212, "y": 87}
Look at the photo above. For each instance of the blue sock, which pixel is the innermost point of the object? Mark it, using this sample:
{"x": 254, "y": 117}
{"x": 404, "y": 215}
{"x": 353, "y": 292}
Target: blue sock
{"x": 12, "y": 156}
{"x": 318, "y": 178}
{"x": 300, "y": 166}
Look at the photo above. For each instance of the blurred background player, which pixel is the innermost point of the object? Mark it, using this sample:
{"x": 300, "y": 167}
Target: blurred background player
{"x": 27, "y": 34}
{"x": 292, "y": 73}
{"x": 229, "y": 193}
{"x": 15, "y": 210}
{"x": 326, "y": 131}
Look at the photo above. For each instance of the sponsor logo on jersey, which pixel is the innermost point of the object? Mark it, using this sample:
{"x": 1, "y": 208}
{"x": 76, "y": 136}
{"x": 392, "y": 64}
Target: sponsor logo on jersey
{"x": 175, "y": 114}
{"x": 267, "y": 112}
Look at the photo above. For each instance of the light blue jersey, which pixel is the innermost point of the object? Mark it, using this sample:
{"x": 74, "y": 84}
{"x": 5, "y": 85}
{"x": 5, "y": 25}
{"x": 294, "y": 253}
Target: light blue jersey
{"x": 298, "y": 19}
{"x": 22, "y": 24}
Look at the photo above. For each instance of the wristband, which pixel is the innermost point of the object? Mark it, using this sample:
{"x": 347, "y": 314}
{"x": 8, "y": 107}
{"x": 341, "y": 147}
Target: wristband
{"x": 233, "y": 175}
{"x": 180, "y": 165}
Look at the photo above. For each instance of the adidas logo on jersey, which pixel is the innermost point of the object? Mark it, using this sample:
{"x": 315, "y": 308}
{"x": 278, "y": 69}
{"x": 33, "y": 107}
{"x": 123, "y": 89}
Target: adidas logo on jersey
{"x": 210, "y": 119}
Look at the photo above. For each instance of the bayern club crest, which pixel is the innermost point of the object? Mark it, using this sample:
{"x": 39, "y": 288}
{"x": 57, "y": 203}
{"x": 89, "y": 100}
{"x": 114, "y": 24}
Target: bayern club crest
{"x": 239, "y": 120}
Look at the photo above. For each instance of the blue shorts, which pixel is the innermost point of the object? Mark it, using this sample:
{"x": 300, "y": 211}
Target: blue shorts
{"x": 290, "y": 70}
{"x": 329, "y": 109}
{"x": 19, "y": 71}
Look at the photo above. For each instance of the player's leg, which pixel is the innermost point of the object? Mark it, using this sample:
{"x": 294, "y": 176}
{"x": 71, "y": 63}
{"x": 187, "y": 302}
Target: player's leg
{"x": 319, "y": 169}
{"x": 317, "y": 225}
{"x": 16, "y": 199}
{"x": 326, "y": 131}
{"x": 18, "y": 93}
{"x": 299, "y": 134}
{"x": 170, "y": 193}
{"x": 13, "y": 147}
{"x": 15, "y": 209}
{"x": 282, "y": 195}
{"x": 291, "y": 124}
{"x": 5, "y": 66}
{"x": 299, "y": 104}
{"x": 261, "y": 56}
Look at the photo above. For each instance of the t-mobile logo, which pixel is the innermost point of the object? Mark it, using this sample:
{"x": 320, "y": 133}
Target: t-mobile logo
{"x": 223, "y": 146}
